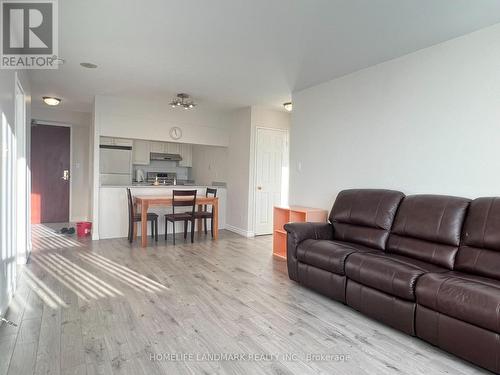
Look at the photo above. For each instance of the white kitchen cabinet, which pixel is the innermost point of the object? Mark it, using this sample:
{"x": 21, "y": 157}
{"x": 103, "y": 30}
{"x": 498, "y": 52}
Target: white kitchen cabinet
{"x": 123, "y": 142}
{"x": 107, "y": 141}
{"x": 158, "y": 147}
{"x": 110, "y": 141}
{"x": 140, "y": 152}
{"x": 142, "y": 149}
{"x": 186, "y": 152}
{"x": 173, "y": 148}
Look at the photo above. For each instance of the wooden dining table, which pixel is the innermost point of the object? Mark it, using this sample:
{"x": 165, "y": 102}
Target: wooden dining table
{"x": 146, "y": 201}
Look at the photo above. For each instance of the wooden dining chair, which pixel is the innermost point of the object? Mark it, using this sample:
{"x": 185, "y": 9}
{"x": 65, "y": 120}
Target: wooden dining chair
{"x": 205, "y": 214}
{"x": 134, "y": 217}
{"x": 182, "y": 198}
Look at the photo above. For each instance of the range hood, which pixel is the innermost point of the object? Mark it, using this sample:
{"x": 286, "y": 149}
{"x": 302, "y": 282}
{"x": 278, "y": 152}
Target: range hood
{"x": 162, "y": 156}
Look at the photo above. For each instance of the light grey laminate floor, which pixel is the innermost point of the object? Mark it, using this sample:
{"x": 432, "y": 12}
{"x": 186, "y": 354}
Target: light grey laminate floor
{"x": 224, "y": 307}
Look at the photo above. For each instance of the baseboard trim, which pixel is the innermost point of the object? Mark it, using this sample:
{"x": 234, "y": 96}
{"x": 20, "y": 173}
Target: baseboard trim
{"x": 78, "y": 219}
{"x": 241, "y": 232}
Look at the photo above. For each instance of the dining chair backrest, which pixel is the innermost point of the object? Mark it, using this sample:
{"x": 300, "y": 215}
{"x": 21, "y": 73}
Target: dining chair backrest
{"x": 130, "y": 213}
{"x": 184, "y": 198}
{"x": 130, "y": 203}
{"x": 211, "y": 192}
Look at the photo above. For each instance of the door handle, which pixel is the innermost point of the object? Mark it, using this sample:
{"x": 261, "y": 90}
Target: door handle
{"x": 65, "y": 175}
{"x": 259, "y": 187}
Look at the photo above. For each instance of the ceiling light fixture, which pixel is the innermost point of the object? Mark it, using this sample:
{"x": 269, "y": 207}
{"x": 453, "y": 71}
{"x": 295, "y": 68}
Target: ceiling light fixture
{"x": 288, "y": 106}
{"x": 182, "y": 100}
{"x": 88, "y": 65}
{"x": 58, "y": 60}
{"x": 50, "y": 100}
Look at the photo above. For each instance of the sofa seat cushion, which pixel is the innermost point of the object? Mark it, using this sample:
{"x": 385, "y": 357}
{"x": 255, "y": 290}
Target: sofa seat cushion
{"x": 470, "y": 298}
{"x": 328, "y": 255}
{"x": 393, "y": 274}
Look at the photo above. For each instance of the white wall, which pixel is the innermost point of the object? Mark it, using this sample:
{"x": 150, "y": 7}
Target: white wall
{"x": 241, "y": 163}
{"x": 210, "y": 163}
{"x": 94, "y": 171}
{"x": 7, "y": 235}
{"x": 153, "y": 119}
{"x": 238, "y": 171}
{"x": 270, "y": 118}
{"x": 80, "y": 155}
{"x": 428, "y": 122}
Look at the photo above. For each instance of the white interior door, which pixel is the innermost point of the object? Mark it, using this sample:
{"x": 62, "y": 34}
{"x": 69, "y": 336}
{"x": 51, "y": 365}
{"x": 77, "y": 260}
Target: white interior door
{"x": 269, "y": 173}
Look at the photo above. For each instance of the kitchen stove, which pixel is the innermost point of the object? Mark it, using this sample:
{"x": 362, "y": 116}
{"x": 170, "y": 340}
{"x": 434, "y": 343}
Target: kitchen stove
{"x": 163, "y": 178}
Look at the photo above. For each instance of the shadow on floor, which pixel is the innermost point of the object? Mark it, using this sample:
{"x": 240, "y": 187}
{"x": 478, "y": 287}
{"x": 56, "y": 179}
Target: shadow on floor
{"x": 47, "y": 237}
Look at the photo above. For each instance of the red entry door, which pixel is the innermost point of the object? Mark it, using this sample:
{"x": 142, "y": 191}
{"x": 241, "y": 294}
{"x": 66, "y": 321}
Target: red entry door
{"x": 50, "y": 162}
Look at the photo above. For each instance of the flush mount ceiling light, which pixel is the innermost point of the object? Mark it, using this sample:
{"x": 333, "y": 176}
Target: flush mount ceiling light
{"x": 88, "y": 65}
{"x": 288, "y": 106}
{"x": 182, "y": 100}
{"x": 50, "y": 100}
{"x": 58, "y": 60}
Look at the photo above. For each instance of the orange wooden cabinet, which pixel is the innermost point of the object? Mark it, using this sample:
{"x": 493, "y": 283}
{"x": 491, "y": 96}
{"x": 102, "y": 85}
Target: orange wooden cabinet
{"x": 292, "y": 214}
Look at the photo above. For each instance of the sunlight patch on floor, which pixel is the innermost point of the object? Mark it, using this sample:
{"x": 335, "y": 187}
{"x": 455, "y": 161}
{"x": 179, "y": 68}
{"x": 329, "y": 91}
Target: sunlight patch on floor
{"x": 46, "y": 238}
{"x": 123, "y": 274}
{"x": 47, "y": 295}
{"x": 80, "y": 281}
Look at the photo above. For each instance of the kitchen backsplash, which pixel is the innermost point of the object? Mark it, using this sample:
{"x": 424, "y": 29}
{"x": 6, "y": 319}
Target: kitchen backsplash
{"x": 183, "y": 173}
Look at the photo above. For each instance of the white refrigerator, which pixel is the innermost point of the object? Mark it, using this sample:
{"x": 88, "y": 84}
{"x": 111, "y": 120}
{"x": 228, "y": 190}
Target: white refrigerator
{"x": 115, "y": 165}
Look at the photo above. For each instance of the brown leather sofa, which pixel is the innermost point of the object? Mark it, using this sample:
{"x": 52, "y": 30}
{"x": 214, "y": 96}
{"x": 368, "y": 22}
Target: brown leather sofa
{"x": 360, "y": 221}
{"x": 427, "y": 265}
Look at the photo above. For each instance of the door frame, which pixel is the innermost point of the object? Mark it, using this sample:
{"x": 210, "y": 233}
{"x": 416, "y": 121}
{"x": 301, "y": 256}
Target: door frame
{"x": 286, "y": 162}
{"x": 70, "y": 126}
{"x": 21, "y": 177}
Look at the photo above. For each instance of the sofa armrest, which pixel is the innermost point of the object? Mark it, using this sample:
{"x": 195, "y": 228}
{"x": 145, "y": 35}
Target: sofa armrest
{"x": 298, "y": 232}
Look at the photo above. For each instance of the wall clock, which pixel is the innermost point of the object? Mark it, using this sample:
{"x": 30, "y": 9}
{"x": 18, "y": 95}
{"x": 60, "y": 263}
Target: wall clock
{"x": 175, "y": 132}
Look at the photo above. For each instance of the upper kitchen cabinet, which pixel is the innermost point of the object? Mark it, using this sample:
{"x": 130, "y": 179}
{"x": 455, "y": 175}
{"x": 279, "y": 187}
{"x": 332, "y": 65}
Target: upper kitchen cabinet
{"x": 159, "y": 147}
{"x": 109, "y": 141}
{"x": 140, "y": 152}
{"x": 173, "y": 148}
{"x": 166, "y": 147}
{"x": 123, "y": 142}
{"x": 186, "y": 152}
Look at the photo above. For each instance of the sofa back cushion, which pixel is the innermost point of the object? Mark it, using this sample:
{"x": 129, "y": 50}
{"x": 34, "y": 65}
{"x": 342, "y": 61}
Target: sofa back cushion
{"x": 365, "y": 216}
{"x": 479, "y": 252}
{"x": 428, "y": 228}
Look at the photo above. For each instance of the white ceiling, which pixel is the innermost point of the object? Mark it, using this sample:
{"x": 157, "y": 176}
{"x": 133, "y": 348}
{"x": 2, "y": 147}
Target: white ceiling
{"x": 230, "y": 53}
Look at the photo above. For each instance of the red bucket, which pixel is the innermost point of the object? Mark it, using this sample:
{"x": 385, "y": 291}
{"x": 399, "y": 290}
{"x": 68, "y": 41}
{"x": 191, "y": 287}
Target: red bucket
{"x": 83, "y": 228}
